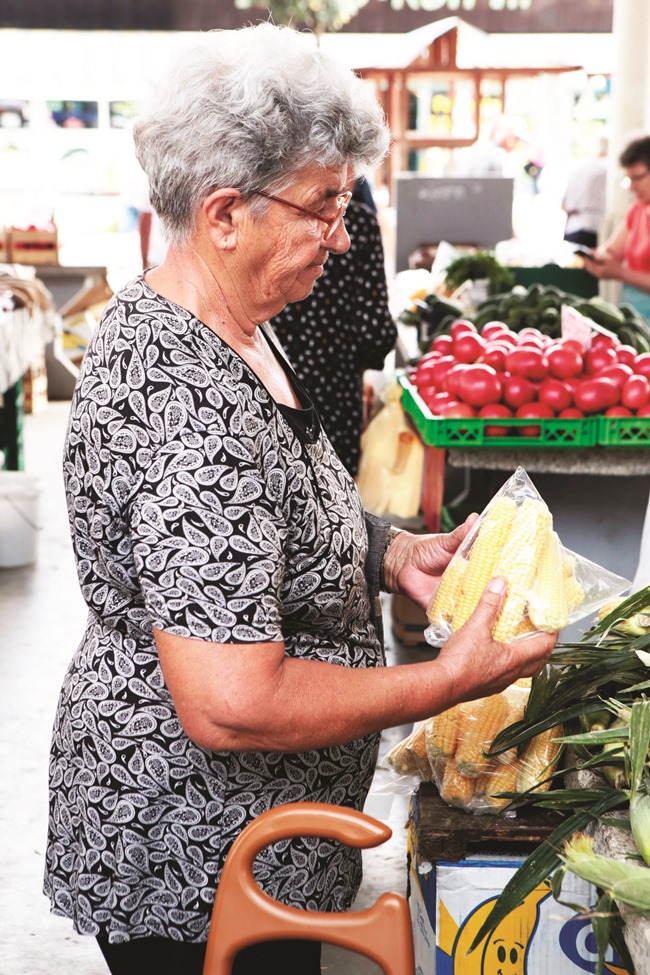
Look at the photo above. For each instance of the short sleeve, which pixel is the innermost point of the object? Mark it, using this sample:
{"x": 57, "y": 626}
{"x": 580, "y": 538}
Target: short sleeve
{"x": 208, "y": 546}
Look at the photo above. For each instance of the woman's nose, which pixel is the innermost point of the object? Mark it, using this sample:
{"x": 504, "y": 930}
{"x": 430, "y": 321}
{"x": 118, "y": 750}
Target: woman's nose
{"x": 339, "y": 242}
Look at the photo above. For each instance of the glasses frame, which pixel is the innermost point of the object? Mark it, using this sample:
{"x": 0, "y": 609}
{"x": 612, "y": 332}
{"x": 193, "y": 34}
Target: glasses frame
{"x": 333, "y": 223}
{"x": 629, "y": 181}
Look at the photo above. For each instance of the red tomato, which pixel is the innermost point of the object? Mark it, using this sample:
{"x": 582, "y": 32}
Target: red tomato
{"x": 530, "y": 333}
{"x": 636, "y": 392}
{"x": 462, "y": 325}
{"x": 496, "y": 410}
{"x": 494, "y": 330}
{"x": 626, "y": 354}
{"x": 442, "y": 344}
{"x": 538, "y": 411}
{"x": 571, "y": 412}
{"x": 529, "y": 363}
{"x": 618, "y": 411}
{"x": 509, "y": 338}
{"x": 450, "y": 383}
{"x": 644, "y": 411}
{"x": 435, "y": 400}
{"x": 619, "y": 372}
{"x": 572, "y": 344}
{"x": 479, "y": 385}
{"x": 599, "y": 341}
{"x": 517, "y": 391}
{"x": 456, "y": 410}
{"x": 599, "y": 358}
{"x": 642, "y": 364}
{"x": 440, "y": 369}
{"x": 555, "y": 394}
{"x": 495, "y": 355}
{"x": 564, "y": 362}
{"x": 468, "y": 346}
{"x": 424, "y": 371}
{"x": 596, "y": 395}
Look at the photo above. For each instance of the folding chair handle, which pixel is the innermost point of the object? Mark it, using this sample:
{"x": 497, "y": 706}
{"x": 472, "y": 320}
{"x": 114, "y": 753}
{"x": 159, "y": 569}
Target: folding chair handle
{"x": 243, "y": 914}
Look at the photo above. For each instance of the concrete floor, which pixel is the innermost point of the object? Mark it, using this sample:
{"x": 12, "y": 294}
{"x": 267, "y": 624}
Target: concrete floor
{"x": 42, "y": 616}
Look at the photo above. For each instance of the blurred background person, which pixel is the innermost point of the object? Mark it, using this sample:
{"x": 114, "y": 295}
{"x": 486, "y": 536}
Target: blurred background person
{"x": 341, "y": 329}
{"x": 584, "y": 198}
{"x": 625, "y": 256}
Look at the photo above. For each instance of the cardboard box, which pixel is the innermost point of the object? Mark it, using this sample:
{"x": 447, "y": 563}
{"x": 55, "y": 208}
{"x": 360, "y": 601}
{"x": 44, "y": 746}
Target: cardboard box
{"x": 450, "y": 900}
{"x": 408, "y": 621}
{"x": 34, "y": 245}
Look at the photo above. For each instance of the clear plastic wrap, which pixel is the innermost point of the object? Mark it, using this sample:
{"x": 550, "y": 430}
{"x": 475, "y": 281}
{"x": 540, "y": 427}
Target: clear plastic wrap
{"x": 449, "y": 750}
{"x": 548, "y": 585}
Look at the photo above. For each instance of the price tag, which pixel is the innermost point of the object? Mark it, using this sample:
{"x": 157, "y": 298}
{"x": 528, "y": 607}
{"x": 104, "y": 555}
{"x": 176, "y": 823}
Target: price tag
{"x": 576, "y": 326}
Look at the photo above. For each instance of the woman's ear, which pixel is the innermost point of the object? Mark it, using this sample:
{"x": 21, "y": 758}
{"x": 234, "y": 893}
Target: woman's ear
{"x": 218, "y": 209}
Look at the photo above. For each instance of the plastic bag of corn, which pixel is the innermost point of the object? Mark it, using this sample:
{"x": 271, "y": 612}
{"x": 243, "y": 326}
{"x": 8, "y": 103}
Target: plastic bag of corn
{"x": 450, "y": 751}
{"x": 548, "y": 586}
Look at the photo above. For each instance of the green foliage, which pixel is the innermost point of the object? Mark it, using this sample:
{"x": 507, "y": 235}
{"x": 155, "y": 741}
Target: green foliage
{"x": 475, "y": 267}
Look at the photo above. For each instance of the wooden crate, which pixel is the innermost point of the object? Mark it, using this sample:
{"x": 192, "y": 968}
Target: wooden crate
{"x": 34, "y": 246}
{"x": 35, "y": 387}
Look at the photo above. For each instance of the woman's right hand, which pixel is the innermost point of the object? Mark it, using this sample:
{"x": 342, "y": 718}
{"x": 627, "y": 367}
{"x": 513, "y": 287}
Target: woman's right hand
{"x": 477, "y": 665}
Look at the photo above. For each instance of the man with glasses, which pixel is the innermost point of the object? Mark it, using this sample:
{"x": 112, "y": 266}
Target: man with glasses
{"x": 625, "y": 257}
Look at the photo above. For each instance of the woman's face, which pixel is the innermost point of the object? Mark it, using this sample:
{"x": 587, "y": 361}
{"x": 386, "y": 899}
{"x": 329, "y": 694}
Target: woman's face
{"x": 283, "y": 253}
{"x": 638, "y": 176}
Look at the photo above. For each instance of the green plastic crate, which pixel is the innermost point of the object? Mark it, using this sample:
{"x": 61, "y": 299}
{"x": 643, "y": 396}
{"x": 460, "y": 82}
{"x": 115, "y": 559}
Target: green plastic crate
{"x": 469, "y": 433}
{"x": 624, "y": 431}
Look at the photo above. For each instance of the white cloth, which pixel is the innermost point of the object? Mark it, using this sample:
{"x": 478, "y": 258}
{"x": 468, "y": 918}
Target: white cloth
{"x": 584, "y": 197}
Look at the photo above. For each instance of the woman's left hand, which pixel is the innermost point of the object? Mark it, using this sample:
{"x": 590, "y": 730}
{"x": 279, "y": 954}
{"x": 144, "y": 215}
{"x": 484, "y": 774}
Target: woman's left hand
{"x": 415, "y": 563}
{"x": 605, "y": 266}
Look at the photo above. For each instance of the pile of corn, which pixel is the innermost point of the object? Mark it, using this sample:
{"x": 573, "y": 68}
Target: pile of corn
{"x": 515, "y": 541}
{"x": 450, "y": 748}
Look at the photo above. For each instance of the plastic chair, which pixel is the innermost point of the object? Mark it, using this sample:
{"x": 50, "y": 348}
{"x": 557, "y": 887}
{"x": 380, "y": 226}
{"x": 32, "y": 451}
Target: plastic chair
{"x": 243, "y": 914}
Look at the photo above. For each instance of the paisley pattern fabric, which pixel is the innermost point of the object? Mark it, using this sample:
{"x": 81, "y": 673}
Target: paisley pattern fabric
{"x": 198, "y": 507}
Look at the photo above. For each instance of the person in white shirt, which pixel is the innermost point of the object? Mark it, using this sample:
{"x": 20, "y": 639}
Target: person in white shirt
{"x": 584, "y": 198}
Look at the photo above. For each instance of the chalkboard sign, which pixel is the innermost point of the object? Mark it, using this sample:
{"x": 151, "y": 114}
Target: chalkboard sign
{"x": 469, "y": 210}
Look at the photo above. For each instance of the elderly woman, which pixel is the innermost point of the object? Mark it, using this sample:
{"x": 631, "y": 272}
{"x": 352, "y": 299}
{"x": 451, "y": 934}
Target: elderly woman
{"x": 230, "y": 662}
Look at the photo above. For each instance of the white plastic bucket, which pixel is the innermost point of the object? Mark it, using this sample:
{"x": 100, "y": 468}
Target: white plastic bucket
{"x": 19, "y": 503}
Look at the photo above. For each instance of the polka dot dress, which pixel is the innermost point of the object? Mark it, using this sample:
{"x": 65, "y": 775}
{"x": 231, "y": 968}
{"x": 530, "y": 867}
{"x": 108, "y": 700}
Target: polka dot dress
{"x": 341, "y": 329}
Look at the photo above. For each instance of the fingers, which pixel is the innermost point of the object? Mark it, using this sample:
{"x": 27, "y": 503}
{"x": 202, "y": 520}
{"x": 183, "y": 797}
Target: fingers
{"x": 452, "y": 540}
{"x": 489, "y": 605}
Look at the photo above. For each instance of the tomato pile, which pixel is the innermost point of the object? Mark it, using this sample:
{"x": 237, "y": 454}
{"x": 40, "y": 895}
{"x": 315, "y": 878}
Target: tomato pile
{"x": 500, "y": 374}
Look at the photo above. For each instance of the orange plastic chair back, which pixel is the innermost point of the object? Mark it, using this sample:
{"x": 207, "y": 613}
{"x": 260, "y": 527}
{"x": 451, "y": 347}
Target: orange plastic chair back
{"x": 243, "y": 914}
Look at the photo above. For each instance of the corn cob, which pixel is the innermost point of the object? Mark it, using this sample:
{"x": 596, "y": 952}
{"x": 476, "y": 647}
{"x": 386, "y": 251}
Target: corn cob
{"x": 483, "y": 556}
{"x": 448, "y": 592}
{"x": 501, "y": 777}
{"x": 538, "y": 760}
{"x": 416, "y": 746}
{"x": 480, "y": 722}
{"x": 548, "y": 606}
{"x": 456, "y": 789}
{"x": 401, "y": 760}
{"x": 442, "y": 734}
{"x": 523, "y": 627}
{"x": 518, "y": 561}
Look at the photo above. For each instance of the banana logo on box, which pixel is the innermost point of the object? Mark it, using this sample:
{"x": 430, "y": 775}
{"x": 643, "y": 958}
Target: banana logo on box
{"x": 504, "y": 952}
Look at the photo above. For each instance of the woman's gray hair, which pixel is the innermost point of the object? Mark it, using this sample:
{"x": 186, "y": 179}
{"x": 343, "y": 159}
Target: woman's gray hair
{"x": 250, "y": 109}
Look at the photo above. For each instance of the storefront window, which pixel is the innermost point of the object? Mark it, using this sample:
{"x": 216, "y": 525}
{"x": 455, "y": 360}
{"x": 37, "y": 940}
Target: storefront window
{"x": 121, "y": 114}
{"x": 74, "y": 115}
{"x": 442, "y": 108}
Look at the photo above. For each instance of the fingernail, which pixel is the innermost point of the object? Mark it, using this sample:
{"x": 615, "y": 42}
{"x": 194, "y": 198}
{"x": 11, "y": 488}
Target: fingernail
{"x": 497, "y": 584}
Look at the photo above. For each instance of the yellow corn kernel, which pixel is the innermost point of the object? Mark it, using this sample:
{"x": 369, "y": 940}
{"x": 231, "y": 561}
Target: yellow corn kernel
{"x": 446, "y": 598}
{"x": 523, "y": 627}
{"x": 456, "y": 789}
{"x": 483, "y": 555}
{"x": 479, "y": 724}
{"x": 401, "y": 760}
{"x": 538, "y": 760}
{"x": 501, "y": 777}
{"x": 442, "y": 734}
{"x": 518, "y": 561}
{"x": 416, "y": 747}
{"x": 575, "y": 594}
{"x": 548, "y": 606}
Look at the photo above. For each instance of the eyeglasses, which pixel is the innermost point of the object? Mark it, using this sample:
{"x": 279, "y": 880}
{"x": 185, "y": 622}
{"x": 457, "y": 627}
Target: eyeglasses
{"x": 628, "y": 181}
{"x": 333, "y": 223}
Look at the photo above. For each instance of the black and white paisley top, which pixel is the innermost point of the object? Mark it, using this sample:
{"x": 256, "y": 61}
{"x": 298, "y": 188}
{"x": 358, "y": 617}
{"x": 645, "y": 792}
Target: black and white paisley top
{"x": 199, "y": 506}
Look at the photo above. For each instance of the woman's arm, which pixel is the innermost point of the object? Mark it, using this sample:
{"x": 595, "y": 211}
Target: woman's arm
{"x": 608, "y": 263}
{"x": 253, "y": 697}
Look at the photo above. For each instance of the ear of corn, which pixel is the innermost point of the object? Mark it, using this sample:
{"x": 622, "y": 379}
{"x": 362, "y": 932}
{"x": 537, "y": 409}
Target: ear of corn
{"x": 448, "y": 592}
{"x": 501, "y": 777}
{"x": 456, "y": 789}
{"x": 547, "y": 601}
{"x": 539, "y": 759}
{"x": 483, "y": 556}
{"x": 479, "y": 724}
{"x": 518, "y": 561}
{"x": 417, "y": 748}
{"x": 442, "y": 734}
